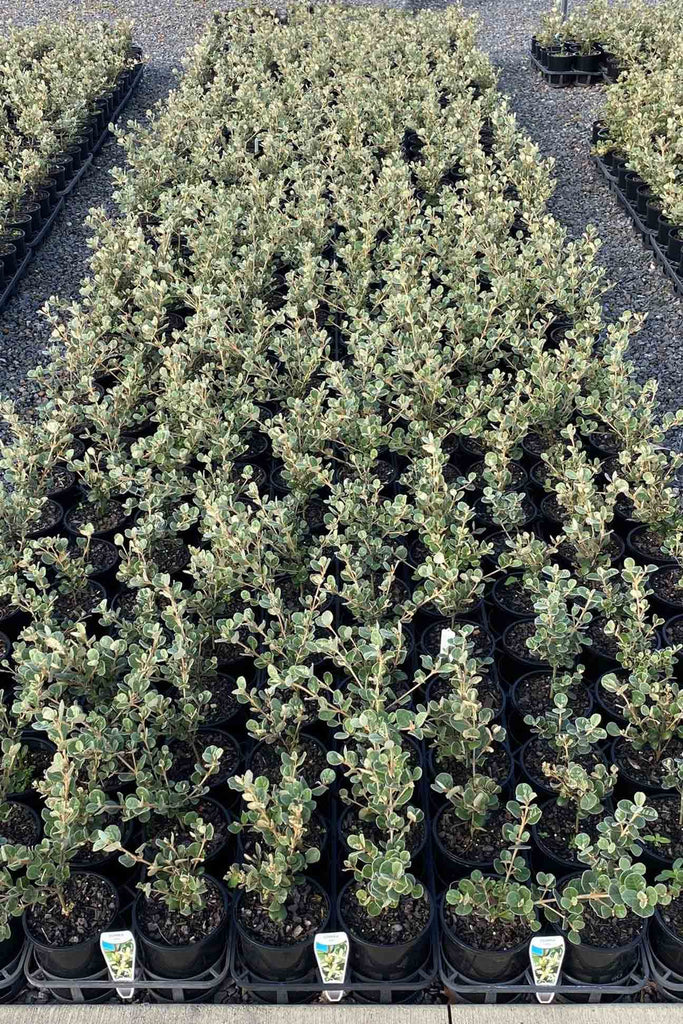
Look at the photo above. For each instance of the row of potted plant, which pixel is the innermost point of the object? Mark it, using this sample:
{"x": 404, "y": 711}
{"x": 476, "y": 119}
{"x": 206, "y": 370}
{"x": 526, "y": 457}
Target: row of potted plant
{"x": 615, "y": 38}
{"x": 57, "y": 91}
{"x": 338, "y": 452}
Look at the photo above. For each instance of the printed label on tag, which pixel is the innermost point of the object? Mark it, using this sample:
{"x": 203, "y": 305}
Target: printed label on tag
{"x": 332, "y": 954}
{"x": 447, "y": 638}
{"x": 546, "y": 953}
{"x": 118, "y": 950}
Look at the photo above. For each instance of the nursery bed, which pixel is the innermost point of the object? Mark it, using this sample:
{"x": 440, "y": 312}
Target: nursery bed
{"x": 245, "y": 406}
{"x": 9, "y": 286}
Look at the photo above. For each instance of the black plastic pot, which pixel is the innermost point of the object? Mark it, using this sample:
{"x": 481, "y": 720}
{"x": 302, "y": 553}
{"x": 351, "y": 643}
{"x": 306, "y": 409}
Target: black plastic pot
{"x": 632, "y": 183}
{"x": 561, "y": 62}
{"x": 278, "y": 963}
{"x": 665, "y": 943}
{"x": 515, "y": 717}
{"x": 664, "y": 226}
{"x": 644, "y": 196}
{"x": 587, "y": 63}
{"x": 8, "y": 259}
{"x": 79, "y": 960}
{"x": 15, "y": 237}
{"x": 674, "y": 249}
{"x": 600, "y": 965}
{"x": 33, "y": 742}
{"x": 186, "y": 961}
{"x": 635, "y": 552}
{"x": 492, "y": 965}
{"x": 9, "y": 948}
{"x": 653, "y": 213}
{"x": 663, "y": 605}
{"x": 609, "y": 714}
{"x": 511, "y": 664}
{"x": 387, "y": 962}
{"x": 544, "y": 859}
{"x": 54, "y": 528}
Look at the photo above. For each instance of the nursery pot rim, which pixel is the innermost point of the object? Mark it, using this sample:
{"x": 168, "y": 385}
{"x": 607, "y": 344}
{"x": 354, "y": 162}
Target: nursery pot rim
{"x": 475, "y": 949}
{"x": 243, "y": 932}
{"x": 475, "y": 865}
{"x": 51, "y": 947}
{"x": 165, "y": 947}
{"x": 385, "y": 945}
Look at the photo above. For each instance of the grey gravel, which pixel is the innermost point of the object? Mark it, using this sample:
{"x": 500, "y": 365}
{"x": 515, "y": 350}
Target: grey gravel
{"x": 558, "y": 120}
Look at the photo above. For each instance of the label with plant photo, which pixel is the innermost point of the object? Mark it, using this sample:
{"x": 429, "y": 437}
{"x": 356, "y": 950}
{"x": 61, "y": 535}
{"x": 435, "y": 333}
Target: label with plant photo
{"x": 332, "y": 954}
{"x": 546, "y": 953}
{"x": 118, "y": 950}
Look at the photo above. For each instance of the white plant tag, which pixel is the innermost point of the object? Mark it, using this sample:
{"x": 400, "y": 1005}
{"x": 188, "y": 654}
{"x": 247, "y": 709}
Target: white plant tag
{"x": 447, "y": 638}
{"x": 546, "y": 953}
{"x": 332, "y": 954}
{"x": 118, "y": 950}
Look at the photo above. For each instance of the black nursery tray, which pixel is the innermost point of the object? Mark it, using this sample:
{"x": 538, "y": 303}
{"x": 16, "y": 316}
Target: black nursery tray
{"x": 10, "y": 286}
{"x": 523, "y": 989}
{"x": 563, "y": 79}
{"x": 648, "y": 235}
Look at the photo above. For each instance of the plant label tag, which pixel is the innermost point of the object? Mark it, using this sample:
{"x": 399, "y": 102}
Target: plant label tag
{"x": 118, "y": 950}
{"x": 546, "y": 953}
{"x": 332, "y": 954}
{"x": 447, "y": 638}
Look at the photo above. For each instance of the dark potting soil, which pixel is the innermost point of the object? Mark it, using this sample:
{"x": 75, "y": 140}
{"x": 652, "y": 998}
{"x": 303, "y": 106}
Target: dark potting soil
{"x": 6, "y": 607}
{"x": 258, "y": 475}
{"x": 392, "y": 926}
{"x": 515, "y": 640}
{"x": 223, "y": 702}
{"x": 252, "y": 444}
{"x": 4, "y": 647}
{"x": 350, "y": 825}
{"x": 512, "y": 596}
{"x": 60, "y": 479}
{"x": 85, "y": 512}
{"x": 606, "y": 440}
{"x": 479, "y": 638}
{"x": 557, "y": 830}
{"x": 76, "y": 605}
{"x": 19, "y": 827}
{"x": 488, "y": 690}
{"x": 673, "y": 915}
{"x": 612, "y": 548}
{"x": 93, "y": 904}
{"x": 668, "y": 825}
{"x": 185, "y": 756}
{"x": 476, "y": 847}
{"x": 665, "y": 584}
{"x": 307, "y": 909}
{"x": 315, "y": 513}
{"x": 210, "y": 813}
{"x": 673, "y": 633}
{"x": 49, "y": 516}
{"x": 641, "y": 765}
{"x": 539, "y": 443}
{"x": 648, "y": 543}
{"x": 170, "y": 554}
{"x": 174, "y": 929}
{"x": 496, "y": 765}
{"x": 267, "y": 761}
{"x": 533, "y": 695}
{"x": 540, "y": 751}
{"x": 381, "y": 470}
{"x": 608, "y": 646}
{"x": 481, "y": 934}
{"x": 101, "y": 555}
{"x": 126, "y": 604}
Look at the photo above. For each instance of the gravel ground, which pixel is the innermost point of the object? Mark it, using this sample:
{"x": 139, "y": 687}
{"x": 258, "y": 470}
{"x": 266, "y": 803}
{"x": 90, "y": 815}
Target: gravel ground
{"x": 558, "y": 120}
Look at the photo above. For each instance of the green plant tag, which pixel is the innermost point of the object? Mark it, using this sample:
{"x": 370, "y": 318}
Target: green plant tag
{"x": 332, "y": 954}
{"x": 546, "y": 953}
{"x": 118, "y": 950}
